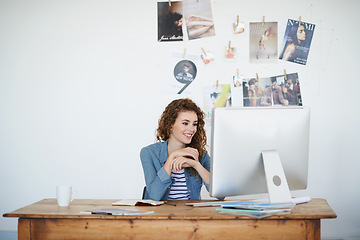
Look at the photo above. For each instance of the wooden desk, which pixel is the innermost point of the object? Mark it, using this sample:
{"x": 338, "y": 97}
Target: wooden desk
{"x": 45, "y": 220}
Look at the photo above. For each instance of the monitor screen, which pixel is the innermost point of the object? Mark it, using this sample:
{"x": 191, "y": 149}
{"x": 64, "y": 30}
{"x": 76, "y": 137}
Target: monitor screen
{"x": 238, "y": 137}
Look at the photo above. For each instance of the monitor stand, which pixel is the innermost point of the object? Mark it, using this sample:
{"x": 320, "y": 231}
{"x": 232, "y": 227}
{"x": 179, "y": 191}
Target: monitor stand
{"x": 275, "y": 177}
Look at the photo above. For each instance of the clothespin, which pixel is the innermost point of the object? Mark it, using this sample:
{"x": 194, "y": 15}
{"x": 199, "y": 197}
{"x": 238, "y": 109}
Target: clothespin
{"x": 229, "y": 45}
{"x": 237, "y": 20}
{"x": 204, "y": 51}
{"x": 263, "y": 21}
{"x": 257, "y": 77}
{"x": 299, "y": 21}
{"x": 217, "y": 84}
{"x": 184, "y": 53}
{"x": 285, "y": 75}
{"x": 169, "y": 3}
{"x": 237, "y": 73}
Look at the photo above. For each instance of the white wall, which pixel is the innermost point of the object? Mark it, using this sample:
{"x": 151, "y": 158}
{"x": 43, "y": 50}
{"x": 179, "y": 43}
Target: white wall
{"x": 81, "y": 90}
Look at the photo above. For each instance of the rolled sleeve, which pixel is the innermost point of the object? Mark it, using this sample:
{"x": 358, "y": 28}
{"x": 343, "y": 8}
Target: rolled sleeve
{"x": 157, "y": 179}
{"x": 163, "y": 175}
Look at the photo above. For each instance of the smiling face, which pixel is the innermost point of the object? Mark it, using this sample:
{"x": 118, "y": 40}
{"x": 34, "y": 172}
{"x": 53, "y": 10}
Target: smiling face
{"x": 184, "y": 128}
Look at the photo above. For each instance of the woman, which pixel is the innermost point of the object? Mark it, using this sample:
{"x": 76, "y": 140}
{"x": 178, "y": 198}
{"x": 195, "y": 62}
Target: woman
{"x": 297, "y": 45}
{"x": 177, "y": 165}
{"x": 262, "y": 41}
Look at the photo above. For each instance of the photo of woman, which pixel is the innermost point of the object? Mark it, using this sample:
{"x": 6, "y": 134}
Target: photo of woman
{"x": 297, "y": 40}
{"x": 263, "y": 42}
{"x": 170, "y": 20}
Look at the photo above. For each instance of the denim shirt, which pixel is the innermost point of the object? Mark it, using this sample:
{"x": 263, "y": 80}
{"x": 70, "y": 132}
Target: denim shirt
{"x": 158, "y": 182}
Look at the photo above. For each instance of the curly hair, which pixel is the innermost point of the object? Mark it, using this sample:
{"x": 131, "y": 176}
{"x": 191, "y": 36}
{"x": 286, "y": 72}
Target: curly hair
{"x": 169, "y": 116}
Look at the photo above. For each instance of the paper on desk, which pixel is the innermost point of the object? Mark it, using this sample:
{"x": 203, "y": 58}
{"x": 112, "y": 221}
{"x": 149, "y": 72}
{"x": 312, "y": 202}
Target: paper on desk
{"x": 137, "y": 202}
{"x": 254, "y": 213}
{"x": 120, "y": 211}
{"x": 208, "y": 204}
{"x": 295, "y": 200}
{"x": 250, "y": 205}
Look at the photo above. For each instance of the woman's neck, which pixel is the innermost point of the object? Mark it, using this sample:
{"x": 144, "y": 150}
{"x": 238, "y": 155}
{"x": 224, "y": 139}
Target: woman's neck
{"x": 174, "y": 145}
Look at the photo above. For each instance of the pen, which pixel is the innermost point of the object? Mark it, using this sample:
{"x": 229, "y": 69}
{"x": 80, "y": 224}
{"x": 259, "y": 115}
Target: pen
{"x": 169, "y": 203}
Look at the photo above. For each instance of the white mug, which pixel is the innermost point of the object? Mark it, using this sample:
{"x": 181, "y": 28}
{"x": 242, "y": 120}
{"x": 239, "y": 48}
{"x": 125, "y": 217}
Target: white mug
{"x": 63, "y": 195}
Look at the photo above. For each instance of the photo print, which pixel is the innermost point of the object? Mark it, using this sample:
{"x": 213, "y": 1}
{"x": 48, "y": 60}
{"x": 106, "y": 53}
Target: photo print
{"x": 207, "y": 56}
{"x": 297, "y": 41}
{"x": 181, "y": 73}
{"x": 185, "y": 73}
{"x": 238, "y": 27}
{"x": 237, "y": 95}
{"x": 290, "y": 87}
{"x": 199, "y": 19}
{"x": 218, "y": 95}
{"x": 263, "y": 42}
{"x": 272, "y": 91}
{"x": 170, "y": 20}
{"x": 230, "y": 52}
{"x": 253, "y": 90}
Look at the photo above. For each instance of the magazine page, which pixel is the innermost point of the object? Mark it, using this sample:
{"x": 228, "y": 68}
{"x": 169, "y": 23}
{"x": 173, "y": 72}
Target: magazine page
{"x": 170, "y": 20}
{"x": 297, "y": 41}
{"x": 263, "y": 42}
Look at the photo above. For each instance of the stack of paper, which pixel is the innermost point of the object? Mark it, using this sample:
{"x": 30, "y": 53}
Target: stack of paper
{"x": 255, "y": 209}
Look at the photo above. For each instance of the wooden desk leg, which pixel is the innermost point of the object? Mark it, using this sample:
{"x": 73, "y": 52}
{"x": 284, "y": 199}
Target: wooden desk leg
{"x": 24, "y": 229}
{"x": 313, "y": 229}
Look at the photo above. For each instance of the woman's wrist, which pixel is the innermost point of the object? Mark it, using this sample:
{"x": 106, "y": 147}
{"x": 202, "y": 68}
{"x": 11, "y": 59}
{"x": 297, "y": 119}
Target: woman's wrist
{"x": 167, "y": 166}
{"x": 197, "y": 165}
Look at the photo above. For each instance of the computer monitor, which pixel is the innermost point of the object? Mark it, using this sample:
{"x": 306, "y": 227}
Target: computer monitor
{"x": 242, "y": 138}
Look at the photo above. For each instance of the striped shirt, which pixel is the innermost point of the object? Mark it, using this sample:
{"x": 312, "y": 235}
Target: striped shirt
{"x": 179, "y": 190}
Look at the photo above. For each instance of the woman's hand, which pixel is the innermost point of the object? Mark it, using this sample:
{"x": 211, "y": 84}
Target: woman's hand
{"x": 186, "y": 157}
{"x": 182, "y": 162}
{"x": 180, "y": 158}
{"x": 186, "y": 152}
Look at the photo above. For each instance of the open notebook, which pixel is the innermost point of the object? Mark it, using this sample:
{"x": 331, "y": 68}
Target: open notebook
{"x": 137, "y": 202}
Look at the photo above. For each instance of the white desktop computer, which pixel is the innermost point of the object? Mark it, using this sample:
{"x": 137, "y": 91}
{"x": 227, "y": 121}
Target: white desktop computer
{"x": 259, "y": 150}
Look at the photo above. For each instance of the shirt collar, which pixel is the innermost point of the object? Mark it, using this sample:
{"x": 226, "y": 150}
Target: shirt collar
{"x": 164, "y": 151}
